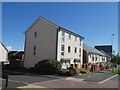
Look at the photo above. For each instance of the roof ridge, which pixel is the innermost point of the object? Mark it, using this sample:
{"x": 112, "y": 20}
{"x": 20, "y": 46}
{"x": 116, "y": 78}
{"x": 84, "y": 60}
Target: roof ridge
{"x": 58, "y": 26}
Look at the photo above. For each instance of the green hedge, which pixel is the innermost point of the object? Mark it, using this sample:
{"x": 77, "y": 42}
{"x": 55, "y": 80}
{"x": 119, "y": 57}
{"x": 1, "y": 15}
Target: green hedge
{"x": 48, "y": 67}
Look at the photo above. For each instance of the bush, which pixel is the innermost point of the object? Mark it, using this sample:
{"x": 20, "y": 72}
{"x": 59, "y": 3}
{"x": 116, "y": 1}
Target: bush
{"x": 48, "y": 67}
{"x": 72, "y": 72}
{"x": 83, "y": 70}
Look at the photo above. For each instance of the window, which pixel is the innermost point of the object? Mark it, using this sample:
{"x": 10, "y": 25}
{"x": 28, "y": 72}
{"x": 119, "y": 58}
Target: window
{"x": 75, "y": 38}
{"x": 63, "y": 33}
{"x": 63, "y": 36}
{"x": 69, "y": 36}
{"x": 35, "y": 34}
{"x": 62, "y": 53}
{"x": 80, "y": 50}
{"x": 34, "y": 47}
{"x": 63, "y": 39}
{"x": 92, "y": 58}
{"x": 34, "y": 53}
{"x": 68, "y": 48}
{"x": 96, "y": 58}
{"x": 80, "y": 55}
{"x": 80, "y": 41}
{"x": 62, "y": 47}
{"x": 75, "y": 50}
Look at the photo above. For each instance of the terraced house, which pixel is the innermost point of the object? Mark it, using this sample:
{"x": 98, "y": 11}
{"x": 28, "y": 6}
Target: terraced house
{"x": 46, "y": 40}
{"x": 93, "y": 56}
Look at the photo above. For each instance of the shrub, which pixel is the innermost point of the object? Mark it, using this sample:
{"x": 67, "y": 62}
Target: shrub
{"x": 83, "y": 70}
{"x": 48, "y": 67}
{"x": 72, "y": 72}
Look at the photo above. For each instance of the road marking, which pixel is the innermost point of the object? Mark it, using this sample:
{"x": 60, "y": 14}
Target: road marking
{"x": 107, "y": 79}
{"x": 31, "y": 86}
{"x": 48, "y": 81}
{"x": 50, "y": 76}
{"x": 16, "y": 81}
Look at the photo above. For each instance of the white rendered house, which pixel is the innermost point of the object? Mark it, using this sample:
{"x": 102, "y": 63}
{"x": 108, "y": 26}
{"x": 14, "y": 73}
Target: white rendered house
{"x": 3, "y": 53}
{"x": 93, "y": 56}
{"x": 46, "y": 40}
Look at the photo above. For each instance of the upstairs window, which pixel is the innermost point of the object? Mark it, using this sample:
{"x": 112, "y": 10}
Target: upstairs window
{"x": 80, "y": 41}
{"x": 79, "y": 50}
{"x": 35, "y": 34}
{"x": 75, "y": 38}
{"x": 34, "y": 53}
{"x": 92, "y": 58}
{"x": 63, "y": 33}
{"x": 69, "y": 48}
{"x": 96, "y": 58}
{"x": 34, "y": 47}
{"x": 63, "y": 36}
{"x": 69, "y": 36}
{"x": 63, "y": 39}
{"x": 75, "y": 50}
{"x": 62, "y": 47}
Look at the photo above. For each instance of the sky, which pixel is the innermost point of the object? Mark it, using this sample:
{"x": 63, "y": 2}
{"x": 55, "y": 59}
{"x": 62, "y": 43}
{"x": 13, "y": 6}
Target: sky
{"x": 95, "y": 21}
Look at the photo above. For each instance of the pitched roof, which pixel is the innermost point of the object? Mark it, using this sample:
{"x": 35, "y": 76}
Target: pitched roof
{"x": 16, "y": 53}
{"x": 92, "y": 50}
{"x": 4, "y": 47}
{"x": 57, "y": 26}
{"x": 105, "y": 53}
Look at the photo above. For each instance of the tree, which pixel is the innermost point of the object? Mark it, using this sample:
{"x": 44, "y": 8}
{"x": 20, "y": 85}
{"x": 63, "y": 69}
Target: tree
{"x": 115, "y": 60}
{"x": 118, "y": 62}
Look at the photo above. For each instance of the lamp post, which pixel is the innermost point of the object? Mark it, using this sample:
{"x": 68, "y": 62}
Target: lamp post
{"x": 112, "y": 39}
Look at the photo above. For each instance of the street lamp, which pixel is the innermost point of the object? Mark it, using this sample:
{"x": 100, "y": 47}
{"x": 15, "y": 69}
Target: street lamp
{"x": 112, "y": 39}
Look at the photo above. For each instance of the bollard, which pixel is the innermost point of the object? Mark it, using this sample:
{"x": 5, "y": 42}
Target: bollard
{"x": 5, "y": 76}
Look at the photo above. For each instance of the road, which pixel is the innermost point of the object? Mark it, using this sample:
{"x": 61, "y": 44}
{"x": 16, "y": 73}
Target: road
{"x": 95, "y": 76}
{"x": 17, "y": 80}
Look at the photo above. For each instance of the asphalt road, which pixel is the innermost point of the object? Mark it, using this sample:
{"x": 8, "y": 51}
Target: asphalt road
{"x": 95, "y": 76}
{"x": 17, "y": 80}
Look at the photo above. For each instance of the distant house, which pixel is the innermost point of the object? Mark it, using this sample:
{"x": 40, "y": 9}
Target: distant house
{"x": 46, "y": 40}
{"x": 19, "y": 54}
{"x": 16, "y": 58}
{"x": 3, "y": 54}
{"x": 106, "y": 48}
{"x": 93, "y": 56}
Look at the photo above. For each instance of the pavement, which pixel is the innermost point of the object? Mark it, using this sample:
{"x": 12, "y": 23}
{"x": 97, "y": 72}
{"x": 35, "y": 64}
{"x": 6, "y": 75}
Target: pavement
{"x": 21, "y": 80}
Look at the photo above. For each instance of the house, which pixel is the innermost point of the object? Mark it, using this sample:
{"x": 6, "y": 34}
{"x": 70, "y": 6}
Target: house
{"x": 93, "y": 56}
{"x": 46, "y": 40}
{"x": 106, "y": 48}
{"x": 16, "y": 58}
{"x": 3, "y": 54}
{"x": 18, "y": 54}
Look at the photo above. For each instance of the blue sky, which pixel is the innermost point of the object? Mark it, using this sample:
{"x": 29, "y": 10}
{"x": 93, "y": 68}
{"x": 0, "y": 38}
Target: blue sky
{"x": 94, "y": 21}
